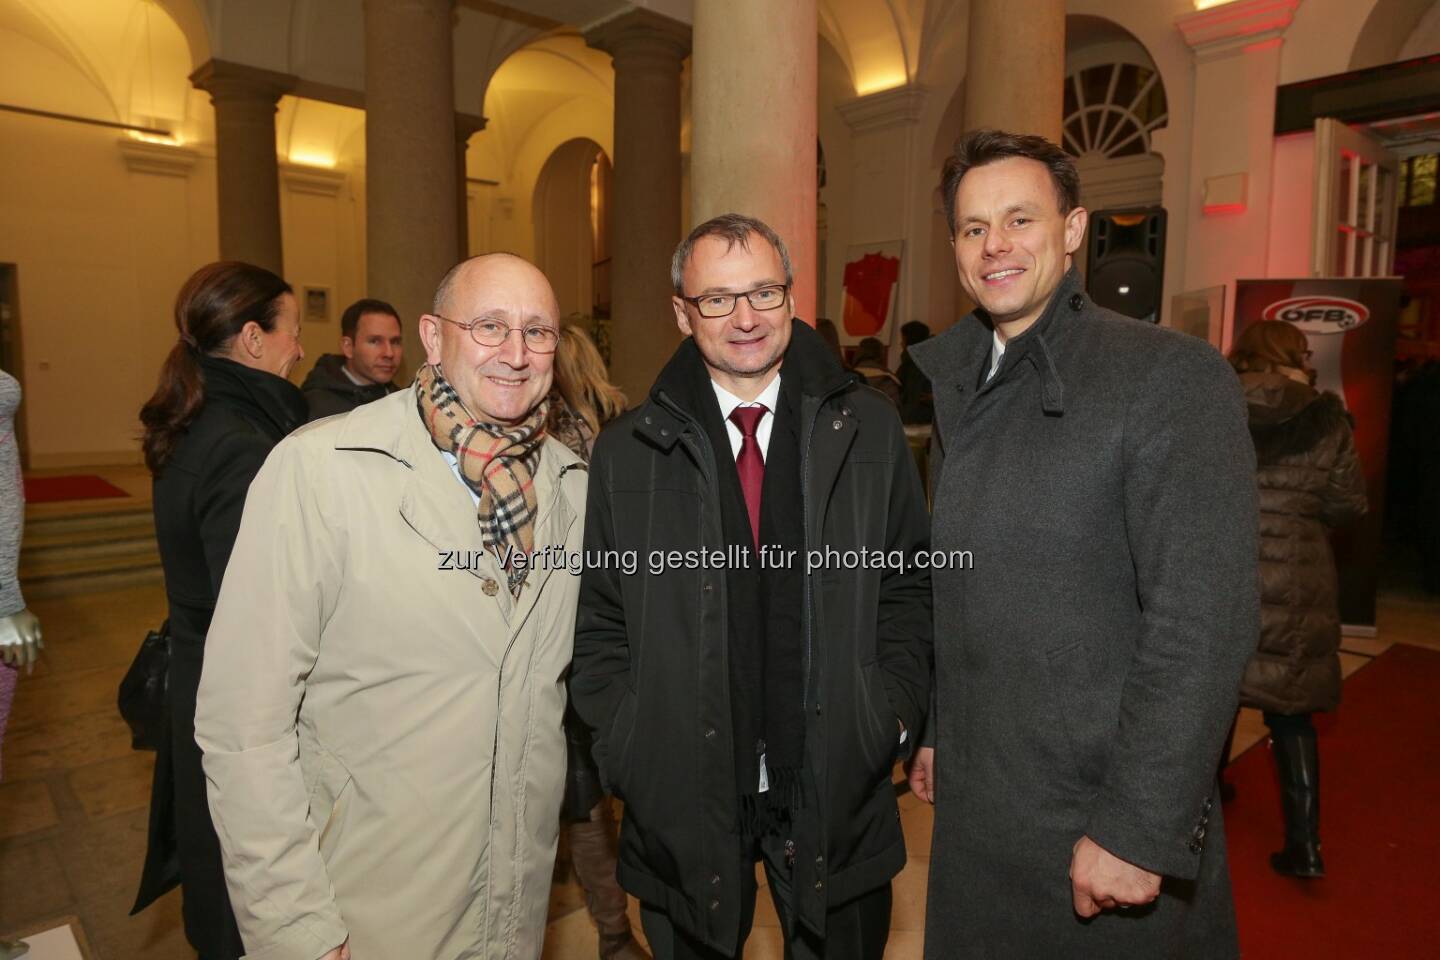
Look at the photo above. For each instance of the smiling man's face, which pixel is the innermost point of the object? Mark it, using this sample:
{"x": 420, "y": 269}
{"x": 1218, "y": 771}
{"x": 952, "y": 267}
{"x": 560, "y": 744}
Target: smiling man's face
{"x": 1012, "y": 242}
{"x": 742, "y": 350}
{"x": 501, "y": 384}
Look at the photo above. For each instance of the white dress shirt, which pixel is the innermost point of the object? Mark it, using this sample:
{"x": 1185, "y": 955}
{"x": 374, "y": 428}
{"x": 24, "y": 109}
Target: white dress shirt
{"x": 770, "y": 397}
{"x": 997, "y": 353}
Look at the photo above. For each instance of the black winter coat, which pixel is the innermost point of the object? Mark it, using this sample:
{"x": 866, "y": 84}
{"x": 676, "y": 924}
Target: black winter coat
{"x": 1310, "y": 481}
{"x": 1087, "y": 667}
{"x": 650, "y": 670}
{"x": 198, "y": 498}
{"x": 328, "y": 391}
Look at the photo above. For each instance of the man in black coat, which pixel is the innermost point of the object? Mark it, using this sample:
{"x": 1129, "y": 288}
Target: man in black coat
{"x": 1100, "y": 470}
{"x": 371, "y": 351}
{"x": 756, "y": 674}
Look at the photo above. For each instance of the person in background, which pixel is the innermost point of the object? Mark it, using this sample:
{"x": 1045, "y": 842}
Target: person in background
{"x": 826, "y": 328}
{"x": 1310, "y": 482}
{"x": 870, "y": 364}
{"x": 917, "y": 402}
{"x": 581, "y": 403}
{"x": 371, "y": 351}
{"x": 223, "y": 401}
{"x": 20, "y": 640}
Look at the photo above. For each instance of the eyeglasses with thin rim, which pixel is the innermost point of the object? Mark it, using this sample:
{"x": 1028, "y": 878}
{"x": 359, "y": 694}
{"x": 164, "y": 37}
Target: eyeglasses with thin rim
{"x": 715, "y": 305}
{"x": 489, "y": 332}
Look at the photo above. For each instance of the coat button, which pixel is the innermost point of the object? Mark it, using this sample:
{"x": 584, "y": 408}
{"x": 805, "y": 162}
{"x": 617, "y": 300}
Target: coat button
{"x": 1077, "y": 302}
{"x": 817, "y": 709}
{"x": 709, "y": 733}
{"x": 819, "y": 885}
{"x": 647, "y": 420}
{"x": 837, "y": 424}
{"x": 664, "y": 431}
{"x": 714, "y": 904}
{"x": 845, "y": 411}
{"x": 715, "y": 880}
{"x": 490, "y": 587}
{"x": 1195, "y": 846}
{"x": 819, "y": 861}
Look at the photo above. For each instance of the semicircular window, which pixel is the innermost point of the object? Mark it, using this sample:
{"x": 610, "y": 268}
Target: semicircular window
{"x": 1111, "y": 110}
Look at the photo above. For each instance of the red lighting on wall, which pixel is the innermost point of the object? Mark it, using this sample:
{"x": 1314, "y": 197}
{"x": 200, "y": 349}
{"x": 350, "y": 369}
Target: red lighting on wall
{"x": 1222, "y": 209}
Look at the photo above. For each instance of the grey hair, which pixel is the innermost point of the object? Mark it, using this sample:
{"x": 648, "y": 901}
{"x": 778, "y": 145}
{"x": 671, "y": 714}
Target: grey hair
{"x": 733, "y": 228}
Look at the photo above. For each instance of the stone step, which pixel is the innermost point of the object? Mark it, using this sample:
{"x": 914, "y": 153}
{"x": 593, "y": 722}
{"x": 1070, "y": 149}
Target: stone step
{"x": 47, "y": 524}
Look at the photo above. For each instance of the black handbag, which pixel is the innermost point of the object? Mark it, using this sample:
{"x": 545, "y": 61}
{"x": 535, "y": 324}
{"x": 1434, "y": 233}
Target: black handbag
{"x": 142, "y": 692}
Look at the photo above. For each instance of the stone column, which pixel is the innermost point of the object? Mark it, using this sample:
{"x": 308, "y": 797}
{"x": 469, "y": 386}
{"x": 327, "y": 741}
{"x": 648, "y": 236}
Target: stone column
{"x": 753, "y": 144}
{"x": 246, "y": 169}
{"x": 410, "y": 148}
{"x": 1000, "y": 94}
{"x": 466, "y": 126}
{"x": 647, "y": 50}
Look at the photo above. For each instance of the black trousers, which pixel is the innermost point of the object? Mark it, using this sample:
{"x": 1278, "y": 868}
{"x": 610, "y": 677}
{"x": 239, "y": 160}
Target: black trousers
{"x": 205, "y": 903}
{"x": 856, "y": 930}
{"x": 1294, "y": 724}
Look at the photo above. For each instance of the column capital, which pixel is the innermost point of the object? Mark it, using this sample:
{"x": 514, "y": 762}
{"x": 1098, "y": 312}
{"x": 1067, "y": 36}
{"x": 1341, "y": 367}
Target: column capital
{"x": 225, "y": 80}
{"x": 640, "y": 31}
{"x": 896, "y": 107}
{"x": 1235, "y": 27}
{"x": 467, "y": 125}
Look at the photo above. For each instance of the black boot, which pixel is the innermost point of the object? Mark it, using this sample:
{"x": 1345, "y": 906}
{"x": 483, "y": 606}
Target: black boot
{"x": 1298, "y": 761}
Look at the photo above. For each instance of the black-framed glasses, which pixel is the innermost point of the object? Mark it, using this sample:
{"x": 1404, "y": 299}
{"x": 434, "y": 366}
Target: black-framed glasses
{"x": 715, "y": 305}
{"x": 490, "y": 332}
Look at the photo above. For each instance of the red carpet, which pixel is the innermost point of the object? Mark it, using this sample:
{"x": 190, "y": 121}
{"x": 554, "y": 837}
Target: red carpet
{"x": 1379, "y": 823}
{"x": 76, "y": 487}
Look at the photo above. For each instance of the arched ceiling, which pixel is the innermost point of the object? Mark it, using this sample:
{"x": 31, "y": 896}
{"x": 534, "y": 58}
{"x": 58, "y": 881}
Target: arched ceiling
{"x": 133, "y": 55}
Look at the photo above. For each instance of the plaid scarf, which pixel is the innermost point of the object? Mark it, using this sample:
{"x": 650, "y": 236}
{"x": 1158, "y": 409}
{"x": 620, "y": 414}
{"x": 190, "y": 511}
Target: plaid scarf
{"x": 497, "y": 463}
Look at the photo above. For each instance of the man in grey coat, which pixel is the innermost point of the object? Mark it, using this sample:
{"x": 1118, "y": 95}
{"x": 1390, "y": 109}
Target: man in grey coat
{"x": 1100, "y": 470}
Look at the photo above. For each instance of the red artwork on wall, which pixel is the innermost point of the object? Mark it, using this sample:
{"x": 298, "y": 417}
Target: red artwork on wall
{"x": 870, "y": 280}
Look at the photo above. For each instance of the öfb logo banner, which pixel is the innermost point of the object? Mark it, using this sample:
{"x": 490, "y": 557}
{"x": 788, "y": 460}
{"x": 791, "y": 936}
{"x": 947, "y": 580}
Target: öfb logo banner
{"x": 1319, "y": 314}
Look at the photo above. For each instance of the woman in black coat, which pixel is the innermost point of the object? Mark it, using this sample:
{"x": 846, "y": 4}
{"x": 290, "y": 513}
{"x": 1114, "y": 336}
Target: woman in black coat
{"x": 222, "y": 403}
{"x": 1310, "y": 482}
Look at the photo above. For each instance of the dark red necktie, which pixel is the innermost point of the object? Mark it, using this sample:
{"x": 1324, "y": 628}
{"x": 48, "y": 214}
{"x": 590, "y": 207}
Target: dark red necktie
{"x": 750, "y": 463}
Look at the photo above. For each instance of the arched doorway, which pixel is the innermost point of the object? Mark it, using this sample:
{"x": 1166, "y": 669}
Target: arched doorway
{"x": 572, "y": 227}
{"x": 1114, "y": 101}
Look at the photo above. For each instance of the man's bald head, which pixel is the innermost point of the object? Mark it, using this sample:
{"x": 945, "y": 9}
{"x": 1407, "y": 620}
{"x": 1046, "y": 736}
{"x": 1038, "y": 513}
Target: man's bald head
{"x": 501, "y": 383}
{"x": 488, "y": 267}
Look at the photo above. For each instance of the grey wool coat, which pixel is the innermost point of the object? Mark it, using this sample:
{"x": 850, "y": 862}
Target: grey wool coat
{"x": 1088, "y": 662}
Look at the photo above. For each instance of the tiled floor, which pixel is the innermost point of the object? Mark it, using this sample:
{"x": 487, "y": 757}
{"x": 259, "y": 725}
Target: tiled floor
{"x": 73, "y": 801}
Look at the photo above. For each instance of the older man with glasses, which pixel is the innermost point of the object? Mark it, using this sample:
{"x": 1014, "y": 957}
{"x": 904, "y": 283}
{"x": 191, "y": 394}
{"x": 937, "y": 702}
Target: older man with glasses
{"x": 383, "y": 687}
{"x": 752, "y": 688}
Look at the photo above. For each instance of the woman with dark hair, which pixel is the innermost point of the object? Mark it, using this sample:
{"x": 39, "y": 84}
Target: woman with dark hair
{"x": 221, "y": 404}
{"x": 1310, "y": 481}
{"x": 581, "y": 402}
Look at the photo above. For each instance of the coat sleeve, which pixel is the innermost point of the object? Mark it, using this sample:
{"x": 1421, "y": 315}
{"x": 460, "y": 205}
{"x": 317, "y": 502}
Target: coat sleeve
{"x": 1191, "y": 516}
{"x": 905, "y": 627}
{"x": 600, "y": 670}
{"x": 263, "y": 642}
{"x": 1345, "y": 498}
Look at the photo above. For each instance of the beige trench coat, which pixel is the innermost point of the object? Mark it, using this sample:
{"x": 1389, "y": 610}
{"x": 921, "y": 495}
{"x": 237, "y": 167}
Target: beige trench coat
{"x": 382, "y": 737}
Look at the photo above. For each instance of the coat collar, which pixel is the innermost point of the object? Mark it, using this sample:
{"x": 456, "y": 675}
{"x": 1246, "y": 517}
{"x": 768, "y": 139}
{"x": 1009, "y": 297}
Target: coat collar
{"x": 273, "y": 398}
{"x": 955, "y": 356}
{"x": 436, "y": 504}
{"x": 683, "y": 385}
